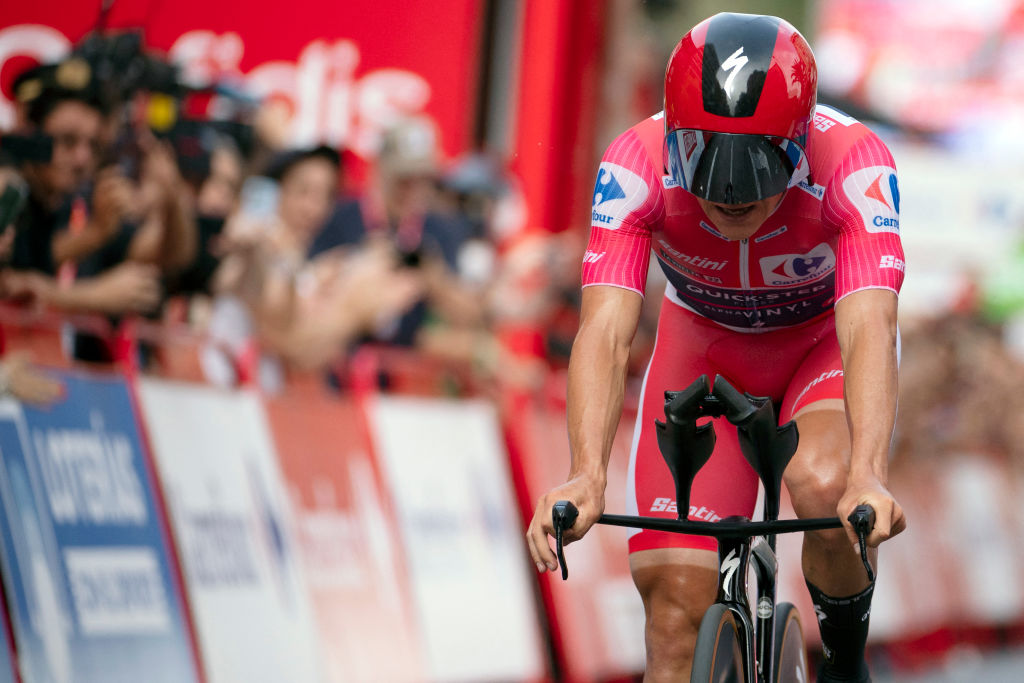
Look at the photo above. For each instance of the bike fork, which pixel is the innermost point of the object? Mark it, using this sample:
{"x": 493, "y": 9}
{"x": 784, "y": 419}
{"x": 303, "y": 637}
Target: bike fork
{"x": 733, "y": 560}
{"x": 766, "y": 570}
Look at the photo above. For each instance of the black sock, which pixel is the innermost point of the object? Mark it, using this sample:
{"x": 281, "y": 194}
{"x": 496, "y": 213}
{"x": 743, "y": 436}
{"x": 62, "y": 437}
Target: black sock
{"x": 844, "y": 633}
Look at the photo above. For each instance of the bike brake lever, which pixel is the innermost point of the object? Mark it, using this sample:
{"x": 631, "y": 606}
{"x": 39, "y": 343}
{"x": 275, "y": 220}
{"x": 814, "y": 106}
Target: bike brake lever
{"x": 863, "y": 520}
{"x": 563, "y": 516}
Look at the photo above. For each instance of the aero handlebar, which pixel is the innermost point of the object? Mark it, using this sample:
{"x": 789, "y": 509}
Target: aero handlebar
{"x": 564, "y": 514}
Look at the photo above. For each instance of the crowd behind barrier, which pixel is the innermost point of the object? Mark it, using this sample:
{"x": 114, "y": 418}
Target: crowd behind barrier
{"x": 129, "y": 192}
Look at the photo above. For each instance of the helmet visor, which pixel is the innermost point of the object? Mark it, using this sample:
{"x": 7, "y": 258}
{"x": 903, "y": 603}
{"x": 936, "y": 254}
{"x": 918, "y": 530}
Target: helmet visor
{"x": 732, "y": 168}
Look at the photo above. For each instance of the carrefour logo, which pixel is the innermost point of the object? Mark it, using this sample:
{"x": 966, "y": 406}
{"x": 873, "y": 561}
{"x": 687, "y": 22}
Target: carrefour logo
{"x": 617, "y": 193}
{"x": 607, "y": 187}
{"x": 790, "y": 269}
{"x": 875, "y": 193}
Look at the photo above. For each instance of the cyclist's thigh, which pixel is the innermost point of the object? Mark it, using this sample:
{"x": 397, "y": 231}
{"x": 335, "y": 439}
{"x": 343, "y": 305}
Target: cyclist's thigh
{"x": 817, "y": 474}
{"x": 817, "y": 383}
{"x": 726, "y": 485}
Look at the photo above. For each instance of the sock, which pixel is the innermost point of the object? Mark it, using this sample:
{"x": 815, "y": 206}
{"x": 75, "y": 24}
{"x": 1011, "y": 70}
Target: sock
{"x": 844, "y": 633}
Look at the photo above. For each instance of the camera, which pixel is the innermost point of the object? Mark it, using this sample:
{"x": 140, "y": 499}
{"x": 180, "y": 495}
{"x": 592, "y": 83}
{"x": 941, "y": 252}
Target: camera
{"x": 18, "y": 149}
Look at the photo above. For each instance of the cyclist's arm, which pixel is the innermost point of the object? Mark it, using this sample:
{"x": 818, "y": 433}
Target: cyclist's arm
{"x": 597, "y": 375}
{"x": 866, "y": 326}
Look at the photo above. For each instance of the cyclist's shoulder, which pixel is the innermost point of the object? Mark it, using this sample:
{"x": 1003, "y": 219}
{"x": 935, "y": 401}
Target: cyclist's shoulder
{"x": 840, "y": 142}
{"x": 639, "y": 144}
{"x": 630, "y": 175}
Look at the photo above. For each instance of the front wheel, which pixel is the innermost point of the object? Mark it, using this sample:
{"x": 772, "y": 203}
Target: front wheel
{"x": 790, "y": 653}
{"x": 717, "y": 656}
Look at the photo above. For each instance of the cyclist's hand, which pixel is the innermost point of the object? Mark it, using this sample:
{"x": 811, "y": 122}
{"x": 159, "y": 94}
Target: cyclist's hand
{"x": 889, "y": 518}
{"x": 587, "y": 494}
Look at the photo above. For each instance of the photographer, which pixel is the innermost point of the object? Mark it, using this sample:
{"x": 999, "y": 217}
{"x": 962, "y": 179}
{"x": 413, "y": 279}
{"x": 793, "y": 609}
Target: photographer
{"x": 120, "y": 235}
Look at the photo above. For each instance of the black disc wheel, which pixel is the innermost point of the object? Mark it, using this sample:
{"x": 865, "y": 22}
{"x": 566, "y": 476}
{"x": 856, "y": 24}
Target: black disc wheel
{"x": 790, "y": 653}
{"x": 718, "y": 655}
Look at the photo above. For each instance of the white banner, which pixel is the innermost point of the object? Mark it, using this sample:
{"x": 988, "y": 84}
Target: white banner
{"x": 446, "y": 469}
{"x": 233, "y": 526}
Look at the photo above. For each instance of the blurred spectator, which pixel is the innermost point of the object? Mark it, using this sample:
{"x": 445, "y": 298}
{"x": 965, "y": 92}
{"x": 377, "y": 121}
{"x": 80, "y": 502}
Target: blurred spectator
{"x": 215, "y": 193}
{"x": 959, "y": 392}
{"x": 304, "y": 300}
{"x": 401, "y": 209}
{"x": 19, "y": 378}
{"x": 472, "y": 189}
{"x": 119, "y": 234}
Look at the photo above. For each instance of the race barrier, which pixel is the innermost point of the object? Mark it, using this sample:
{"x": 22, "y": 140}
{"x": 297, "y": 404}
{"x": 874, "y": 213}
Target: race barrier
{"x": 596, "y": 618}
{"x": 347, "y": 537}
{"x": 157, "y": 529}
{"x": 87, "y": 563}
{"x": 444, "y": 465}
{"x": 232, "y": 521}
{"x": 7, "y": 672}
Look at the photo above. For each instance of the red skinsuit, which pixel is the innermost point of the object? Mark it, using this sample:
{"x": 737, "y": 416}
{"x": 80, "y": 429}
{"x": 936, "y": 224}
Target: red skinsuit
{"x": 759, "y": 311}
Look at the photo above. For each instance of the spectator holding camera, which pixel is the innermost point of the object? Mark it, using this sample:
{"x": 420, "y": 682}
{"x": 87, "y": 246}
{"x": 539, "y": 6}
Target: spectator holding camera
{"x": 401, "y": 210}
{"x": 119, "y": 235}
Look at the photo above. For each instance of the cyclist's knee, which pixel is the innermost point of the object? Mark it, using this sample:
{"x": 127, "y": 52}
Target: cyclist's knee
{"x": 815, "y": 491}
{"x": 675, "y": 598}
{"x": 816, "y": 477}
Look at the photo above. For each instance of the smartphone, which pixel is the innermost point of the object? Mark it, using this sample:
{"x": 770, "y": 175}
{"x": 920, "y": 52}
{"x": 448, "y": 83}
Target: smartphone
{"x": 259, "y": 197}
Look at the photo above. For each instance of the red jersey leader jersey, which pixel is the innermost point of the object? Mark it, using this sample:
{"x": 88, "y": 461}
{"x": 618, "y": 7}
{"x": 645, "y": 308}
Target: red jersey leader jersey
{"x": 833, "y": 234}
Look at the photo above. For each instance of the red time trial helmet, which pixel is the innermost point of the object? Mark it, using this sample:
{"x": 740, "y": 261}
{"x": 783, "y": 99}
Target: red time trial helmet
{"x": 740, "y": 91}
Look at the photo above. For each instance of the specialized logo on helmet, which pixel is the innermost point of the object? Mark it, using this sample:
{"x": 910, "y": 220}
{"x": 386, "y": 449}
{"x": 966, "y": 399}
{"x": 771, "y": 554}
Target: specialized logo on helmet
{"x": 617, "y": 193}
{"x": 732, "y": 66}
{"x": 790, "y": 269}
{"x": 875, "y": 193}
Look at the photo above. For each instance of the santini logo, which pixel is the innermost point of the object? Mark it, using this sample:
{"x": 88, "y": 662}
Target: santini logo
{"x": 700, "y": 514}
{"x": 890, "y": 261}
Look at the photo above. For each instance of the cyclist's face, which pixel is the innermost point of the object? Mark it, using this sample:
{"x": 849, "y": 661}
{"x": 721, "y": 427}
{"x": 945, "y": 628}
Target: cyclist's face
{"x": 740, "y": 221}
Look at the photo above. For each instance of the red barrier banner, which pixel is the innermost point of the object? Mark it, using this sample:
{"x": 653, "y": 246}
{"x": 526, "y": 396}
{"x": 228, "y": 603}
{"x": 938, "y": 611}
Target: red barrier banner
{"x": 347, "y": 538}
{"x": 343, "y": 70}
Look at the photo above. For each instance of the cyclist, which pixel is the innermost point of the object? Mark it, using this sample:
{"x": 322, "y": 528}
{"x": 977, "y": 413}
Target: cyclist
{"x": 777, "y": 226}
